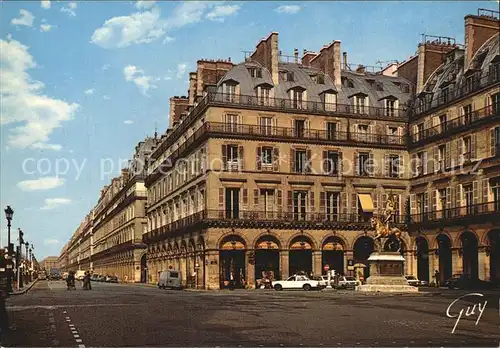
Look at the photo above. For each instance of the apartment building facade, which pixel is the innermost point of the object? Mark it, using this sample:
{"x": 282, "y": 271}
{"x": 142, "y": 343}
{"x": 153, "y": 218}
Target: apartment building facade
{"x": 49, "y": 262}
{"x": 455, "y": 150}
{"x": 277, "y": 166}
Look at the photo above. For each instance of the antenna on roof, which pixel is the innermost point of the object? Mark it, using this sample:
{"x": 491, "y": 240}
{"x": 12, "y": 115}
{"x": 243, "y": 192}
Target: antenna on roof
{"x": 156, "y": 130}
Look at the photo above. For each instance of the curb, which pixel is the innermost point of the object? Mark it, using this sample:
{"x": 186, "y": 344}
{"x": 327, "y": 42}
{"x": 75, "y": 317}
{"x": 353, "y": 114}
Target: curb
{"x": 25, "y": 289}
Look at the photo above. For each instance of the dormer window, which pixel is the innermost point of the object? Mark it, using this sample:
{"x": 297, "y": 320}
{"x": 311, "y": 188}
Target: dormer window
{"x": 379, "y": 86}
{"x": 329, "y": 99}
{"x": 360, "y": 104}
{"x": 255, "y": 72}
{"x": 404, "y": 88}
{"x": 494, "y": 72}
{"x": 319, "y": 79}
{"x": 445, "y": 95}
{"x": 391, "y": 107}
{"x": 229, "y": 91}
{"x": 297, "y": 97}
{"x": 263, "y": 94}
{"x": 287, "y": 76}
{"x": 346, "y": 82}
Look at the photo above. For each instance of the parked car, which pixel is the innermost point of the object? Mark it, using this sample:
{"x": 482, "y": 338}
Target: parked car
{"x": 296, "y": 282}
{"x": 464, "y": 281}
{"x": 101, "y": 278}
{"x": 323, "y": 280}
{"x": 424, "y": 283}
{"x": 42, "y": 276}
{"x": 412, "y": 280}
{"x": 94, "y": 277}
{"x": 348, "y": 282}
{"x": 111, "y": 279}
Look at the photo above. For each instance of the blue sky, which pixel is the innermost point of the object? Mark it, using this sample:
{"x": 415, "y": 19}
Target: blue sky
{"x": 85, "y": 81}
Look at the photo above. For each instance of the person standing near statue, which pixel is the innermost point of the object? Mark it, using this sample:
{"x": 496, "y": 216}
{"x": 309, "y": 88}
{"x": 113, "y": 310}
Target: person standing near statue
{"x": 437, "y": 276}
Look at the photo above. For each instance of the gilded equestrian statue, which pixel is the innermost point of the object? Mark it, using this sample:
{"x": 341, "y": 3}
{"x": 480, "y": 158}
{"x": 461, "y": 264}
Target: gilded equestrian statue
{"x": 382, "y": 228}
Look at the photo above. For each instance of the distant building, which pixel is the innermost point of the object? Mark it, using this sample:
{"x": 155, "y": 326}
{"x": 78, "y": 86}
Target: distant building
{"x": 49, "y": 262}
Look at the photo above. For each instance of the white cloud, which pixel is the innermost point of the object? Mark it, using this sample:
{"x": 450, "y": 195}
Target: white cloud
{"x": 288, "y": 9}
{"x": 45, "y": 4}
{"x": 128, "y": 122}
{"x": 52, "y": 203}
{"x": 145, "y": 4}
{"x": 26, "y": 18}
{"x": 168, "y": 39}
{"x": 147, "y": 25}
{"x": 123, "y": 31}
{"x": 105, "y": 67}
{"x": 89, "y": 91}
{"x": 51, "y": 242}
{"x": 181, "y": 69}
{"x": 45, "y": 27}
{"x": 106, "y": 97}
{"x": 135, "y": 75}
{"x": 45, "y": 183}
{"x": 219, "y": 12}
{"x": 44, "y": 146}
{"x": 24, "y": 105}
{"x": 70, "y": 9}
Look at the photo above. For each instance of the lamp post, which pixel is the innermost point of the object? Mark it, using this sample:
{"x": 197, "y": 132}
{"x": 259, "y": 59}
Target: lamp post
{"x": 9, "y": 213}
{"x": 19, "y": 268}
{"x": 26, "y": 245}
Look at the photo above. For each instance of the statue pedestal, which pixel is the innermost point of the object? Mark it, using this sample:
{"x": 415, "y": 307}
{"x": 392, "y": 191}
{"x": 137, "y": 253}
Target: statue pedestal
{"x": 386, "y": 274}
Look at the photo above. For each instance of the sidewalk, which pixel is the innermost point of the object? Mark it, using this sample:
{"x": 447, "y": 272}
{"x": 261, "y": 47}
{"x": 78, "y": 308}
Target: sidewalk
{"x": 24, "y": 289}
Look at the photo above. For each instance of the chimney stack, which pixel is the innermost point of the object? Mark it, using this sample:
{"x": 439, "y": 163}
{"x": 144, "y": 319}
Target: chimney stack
{"x": 296, "y": 55}
{"x": 329, "y": 62}
{"x": 478, "y": 30}
{"x": 344, "y": 55}
{"x": 267, "y": 54}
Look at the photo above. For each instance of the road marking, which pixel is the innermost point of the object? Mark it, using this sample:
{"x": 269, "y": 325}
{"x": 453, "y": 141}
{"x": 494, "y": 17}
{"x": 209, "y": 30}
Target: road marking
{"x": 50, "y": 287}
{"x": 25, "y": 308}
{"x": 81, "y": 346}
{"x": 78, "y": 340}
{"x": 75, "y": 333}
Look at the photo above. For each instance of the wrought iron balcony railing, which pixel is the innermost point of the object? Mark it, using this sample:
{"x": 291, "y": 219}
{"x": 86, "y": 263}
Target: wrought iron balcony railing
{"x": 475, "y": 211}
{"x": 456, "y": 125}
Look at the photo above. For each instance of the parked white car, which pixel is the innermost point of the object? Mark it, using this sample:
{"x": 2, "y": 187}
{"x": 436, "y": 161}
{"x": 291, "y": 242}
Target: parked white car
{"x": 412, "y": 280}
{"x": 348, "y": 282}
{"x": 296, "y": 282}
{"x": 323, "y": 280}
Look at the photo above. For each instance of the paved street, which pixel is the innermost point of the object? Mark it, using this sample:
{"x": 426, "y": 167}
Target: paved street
{"x": 139, "y": 315}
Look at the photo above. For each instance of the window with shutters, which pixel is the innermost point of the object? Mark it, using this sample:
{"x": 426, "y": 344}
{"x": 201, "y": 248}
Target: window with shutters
{"x": 299, "y": 205}
{"x": 495, "y": 188}
{"x": 420, "y": 204}
{"x": 495, "y": 141}
{"x": 360, "y": 104}
{"x": 264, "y": 95}
{"x": 266, "y": 125}
{"x": 229, "y": 92}
{"x": 441, "y": 158}
{"x": 331, "y": 130}
{"x": 393, "y": 135}
{"x": 390, "y": 107}
{"x": 467, "y": 111}
{"x": 296, "y": 98}
{"x": 469, "y": 84}
{"x": 255, "y": 72}
{"x": 393, "y": 166}
{"x": 468, "y": 198}
{"x": 300, "y": 161}
{"x": 267, "y": 156}
{"x": 419, "y": 135}
{"x": 231, "y": 123}
{"x": 232, "y": 203}
{"x": 495, "y": 103}
{"x": 330, "y": 100}
{"x": 466, "y": 148}
{"x": 332, "y": 206}
{"x": 299, "y": 127}
{"x": 445, "y": 95}
{"x": 267, "y": 202}
{"x": 331, "y": 165}
{"x": 363, "y": 165}
{"x": 443, "y": 121}
{"x": 232, "y": 157}
{"x": 362, "y": 131}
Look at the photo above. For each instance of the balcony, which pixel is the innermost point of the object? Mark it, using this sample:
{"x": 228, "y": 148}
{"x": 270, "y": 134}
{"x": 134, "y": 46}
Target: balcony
{"x": 466, "y": 88}
{"x": 264, "y": 219}
{"x": 456, "y": 125}
{"x": 280, "y": 105}
{"x": 477, "y": 213}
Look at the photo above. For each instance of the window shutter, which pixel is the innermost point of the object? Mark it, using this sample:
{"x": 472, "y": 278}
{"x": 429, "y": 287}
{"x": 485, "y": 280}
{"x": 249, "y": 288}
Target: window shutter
{"x": 414, "y": 165}
{"x": 322, "y": 202}
{"x": 325, "y": 163}
{"x": 436, "y": 158}
{"x": 312, "y": 205}
{"x": 280, "y": 200}
{"x": 492, "y": 141}
{"x": 240, "y": 157}
{"x": 221, "y": 197}
{"x": 290, "y": 201}
{"x": 259, "y": 158}
{"x": 430, "y": 160}
{"x": 475, "y": 192}
{"x": 276, "y": 159}
{"x": 245, "y": 196}
{"x": 460, "y": 150}
{"x": 255, "y": 197}
{"x": 341, "y": 166}
{"x": 448, "y": 155}
{"x": 354, "y": 204}
{"x": 356, "y": 162}
{"x": 343, "y": 204}
{"x": 386, "y": 165}
{"x": 413, "y": 204}
{"x": 473, "y": 147}
{"x": 292, "y": 160}
{"x": 426, "y": 202}
{"x": 401, "y": 167}
{"x": 485, "y": 189}
{"x": 224, "y": 156}
{"x": 309, "y": 161}
{"x": 448, "y": 197}
{"x": 424, "y": 164}
{"x": 458, "y": 196}
{"x": 434, "y": 200}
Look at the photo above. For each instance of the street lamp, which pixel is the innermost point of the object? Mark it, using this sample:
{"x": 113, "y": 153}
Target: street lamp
{"x": 21, "y": 242}
{"x": 28, "y": 279}
{"x": 9, "y": 213}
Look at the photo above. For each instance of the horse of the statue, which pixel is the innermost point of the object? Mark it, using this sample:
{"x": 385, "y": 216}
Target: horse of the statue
{"x": 383, "y": 231}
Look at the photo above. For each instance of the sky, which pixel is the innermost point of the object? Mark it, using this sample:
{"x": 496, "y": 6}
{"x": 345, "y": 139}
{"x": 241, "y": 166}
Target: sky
{"x": 83, "y": 82}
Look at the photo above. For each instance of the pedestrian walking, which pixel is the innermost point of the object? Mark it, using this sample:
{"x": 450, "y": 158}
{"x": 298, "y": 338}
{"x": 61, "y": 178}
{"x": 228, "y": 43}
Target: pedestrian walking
{"x": 437, "y": 276}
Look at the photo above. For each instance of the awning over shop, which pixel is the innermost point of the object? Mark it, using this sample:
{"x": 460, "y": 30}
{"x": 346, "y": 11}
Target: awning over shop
{"x": 366, "y": 202}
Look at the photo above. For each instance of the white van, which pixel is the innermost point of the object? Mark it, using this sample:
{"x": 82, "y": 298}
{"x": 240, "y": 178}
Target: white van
{"x": 79, "y": 274}
{"x": 170, "y": 279}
